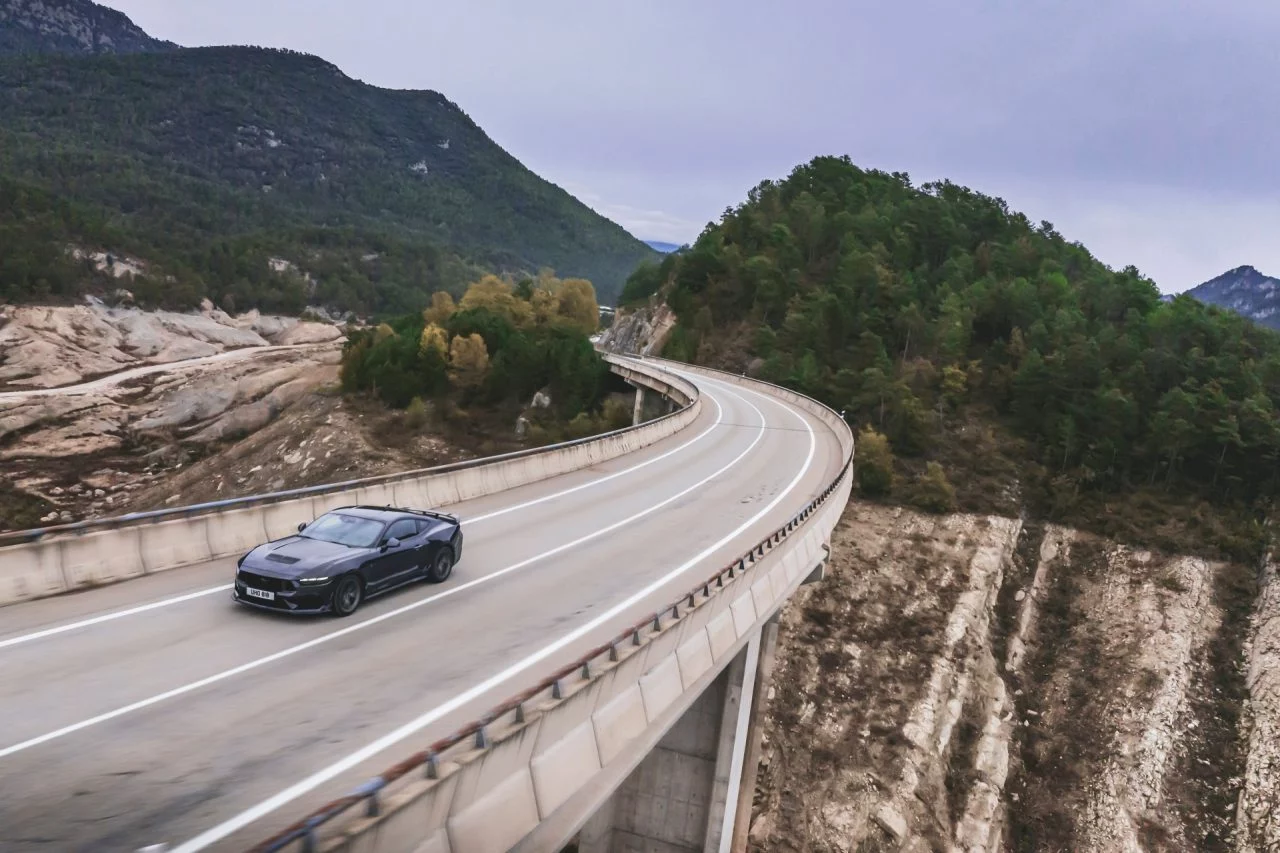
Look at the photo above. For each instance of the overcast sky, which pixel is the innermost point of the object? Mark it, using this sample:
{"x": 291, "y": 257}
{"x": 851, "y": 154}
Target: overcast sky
{"x": 1146, "y": 129}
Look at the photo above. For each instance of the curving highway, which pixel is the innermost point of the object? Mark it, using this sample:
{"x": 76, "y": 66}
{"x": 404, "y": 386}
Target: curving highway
{"x": 156, "y": 711}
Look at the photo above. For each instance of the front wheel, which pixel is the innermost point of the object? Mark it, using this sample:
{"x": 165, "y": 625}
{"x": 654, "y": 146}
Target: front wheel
{"x": 347, "y": 596}
{"x": 441, "y": 566}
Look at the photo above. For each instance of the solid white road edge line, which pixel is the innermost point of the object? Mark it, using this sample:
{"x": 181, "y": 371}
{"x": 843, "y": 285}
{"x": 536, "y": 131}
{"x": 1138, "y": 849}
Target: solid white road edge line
{"x": 292, "y": 650}
{"x": 222, "y": 830}
{"x": 179, "y": 599}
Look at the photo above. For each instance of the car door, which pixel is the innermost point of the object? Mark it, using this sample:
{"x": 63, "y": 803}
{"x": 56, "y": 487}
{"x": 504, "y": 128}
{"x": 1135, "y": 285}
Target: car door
{"x": 397, "y": 562}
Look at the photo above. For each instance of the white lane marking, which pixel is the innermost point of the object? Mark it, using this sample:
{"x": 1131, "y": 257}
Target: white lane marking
{"x": 222, "y": 830}
{"x": 292, "y": 650}
{"x": 108, "y": 617}
{"x": 479, "y": 519}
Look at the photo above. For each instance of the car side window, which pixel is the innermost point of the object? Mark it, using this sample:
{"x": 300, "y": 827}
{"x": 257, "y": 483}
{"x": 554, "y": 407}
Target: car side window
{"x": 402, "y": 530}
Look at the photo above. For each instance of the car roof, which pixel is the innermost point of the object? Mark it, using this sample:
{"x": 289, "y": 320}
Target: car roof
{"x": 370, "y": 512}
{"x": 387, "y": 513}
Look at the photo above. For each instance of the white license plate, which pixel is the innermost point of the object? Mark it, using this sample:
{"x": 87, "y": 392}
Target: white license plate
{"x": 257, "y": 593}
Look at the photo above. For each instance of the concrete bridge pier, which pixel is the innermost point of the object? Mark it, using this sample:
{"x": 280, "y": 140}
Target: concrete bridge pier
{"x": 637, "y": 414}
{"x": 693, "y": 791}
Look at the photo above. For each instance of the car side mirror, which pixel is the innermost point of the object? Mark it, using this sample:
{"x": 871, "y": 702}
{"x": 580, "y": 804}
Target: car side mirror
{"x": 302, "y": 525}
{"x": 393, "y": 542}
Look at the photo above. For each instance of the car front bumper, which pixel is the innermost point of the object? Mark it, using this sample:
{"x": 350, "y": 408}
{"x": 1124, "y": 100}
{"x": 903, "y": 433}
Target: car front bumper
{"x": 288, "y": 597}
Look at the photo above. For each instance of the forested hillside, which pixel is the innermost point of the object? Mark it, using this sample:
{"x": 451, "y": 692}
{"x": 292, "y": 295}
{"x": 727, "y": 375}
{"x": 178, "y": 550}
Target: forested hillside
{"x": 1022, "y": 368}
{"x": 209, "y": 162}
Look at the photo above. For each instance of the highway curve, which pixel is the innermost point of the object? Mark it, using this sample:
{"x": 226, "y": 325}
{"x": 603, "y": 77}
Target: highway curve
{"x": 158, "y": 711}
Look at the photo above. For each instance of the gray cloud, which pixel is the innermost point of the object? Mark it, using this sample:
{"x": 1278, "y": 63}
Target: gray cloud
{"x": 1143, "y": 128}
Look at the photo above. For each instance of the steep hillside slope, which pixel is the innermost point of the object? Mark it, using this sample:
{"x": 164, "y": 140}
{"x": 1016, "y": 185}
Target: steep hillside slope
{"x": 211, "y": 161}
{"x": 70, "y": 26}
{"x": 1245, "y": 291}
{"x": 977, "y": 683}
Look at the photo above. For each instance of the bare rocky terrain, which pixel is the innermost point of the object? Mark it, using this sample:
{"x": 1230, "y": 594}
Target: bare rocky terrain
{"x": 110, "y": 410}
{"x": 971, "y": 683}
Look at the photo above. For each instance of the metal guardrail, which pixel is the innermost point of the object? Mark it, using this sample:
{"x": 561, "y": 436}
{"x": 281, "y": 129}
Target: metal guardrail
{"x": 367, "y": 793}
{"x": 17, "y": 537}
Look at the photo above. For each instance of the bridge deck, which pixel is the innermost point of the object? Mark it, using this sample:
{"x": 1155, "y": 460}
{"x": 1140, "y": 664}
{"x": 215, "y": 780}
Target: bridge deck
{"x": 159, "y": 725}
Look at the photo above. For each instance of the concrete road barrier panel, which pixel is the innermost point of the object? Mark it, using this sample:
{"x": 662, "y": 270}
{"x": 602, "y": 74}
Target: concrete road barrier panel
{"x": 180, "y": 542}
{"x": 32, "y": 572}
{"x": 93, "y": 559}
{"x": 235, "y": 531}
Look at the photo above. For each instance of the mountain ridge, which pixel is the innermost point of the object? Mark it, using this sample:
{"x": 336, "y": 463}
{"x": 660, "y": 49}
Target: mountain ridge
{"x": 1246, "y": 291}
{"x": 71, "y": 27}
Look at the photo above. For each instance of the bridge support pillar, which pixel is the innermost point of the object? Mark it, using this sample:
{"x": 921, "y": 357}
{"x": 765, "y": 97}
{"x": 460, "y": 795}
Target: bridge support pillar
{"x": 755, "y": 734}
{"x": 693, "y": 791}
{"x": 637, "y": 415}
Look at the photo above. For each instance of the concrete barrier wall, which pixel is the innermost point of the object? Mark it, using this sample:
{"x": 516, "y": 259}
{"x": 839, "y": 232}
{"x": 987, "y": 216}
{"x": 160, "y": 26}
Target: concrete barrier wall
{"x": 545, "y": 764}
{"x": 115, "y": 550}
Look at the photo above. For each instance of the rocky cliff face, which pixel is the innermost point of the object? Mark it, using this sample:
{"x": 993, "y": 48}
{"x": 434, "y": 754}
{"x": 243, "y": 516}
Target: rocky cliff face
{"x": 641, "y": 331}
{"x": 968, "y": 683}
{"x": 70, "y": 26}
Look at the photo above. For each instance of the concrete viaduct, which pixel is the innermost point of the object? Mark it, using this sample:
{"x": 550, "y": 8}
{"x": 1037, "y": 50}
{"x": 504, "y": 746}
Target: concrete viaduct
{"x": 590, "y": 678}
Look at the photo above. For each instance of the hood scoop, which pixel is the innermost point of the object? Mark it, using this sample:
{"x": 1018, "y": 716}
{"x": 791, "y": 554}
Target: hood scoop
{"x": 280, "y": 558}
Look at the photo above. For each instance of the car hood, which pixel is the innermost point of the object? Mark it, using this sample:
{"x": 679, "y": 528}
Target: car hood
{"x": 295, "y": 556}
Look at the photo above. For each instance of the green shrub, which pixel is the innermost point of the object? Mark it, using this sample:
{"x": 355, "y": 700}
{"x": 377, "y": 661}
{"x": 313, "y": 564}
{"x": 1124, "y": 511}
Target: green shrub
{"x": 932, "y": 491}
{"x": 874, "y": 460}
{"x": 416, "y": 416}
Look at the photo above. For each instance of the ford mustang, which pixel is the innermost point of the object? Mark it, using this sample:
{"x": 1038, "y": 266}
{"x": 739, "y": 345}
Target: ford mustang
{"x": 347, "y": 555}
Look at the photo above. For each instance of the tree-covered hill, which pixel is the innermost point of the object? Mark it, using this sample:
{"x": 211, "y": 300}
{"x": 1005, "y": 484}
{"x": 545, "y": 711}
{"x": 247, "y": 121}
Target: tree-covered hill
{"x": 209, "y": 159}
{"x": 1025, "y": 369}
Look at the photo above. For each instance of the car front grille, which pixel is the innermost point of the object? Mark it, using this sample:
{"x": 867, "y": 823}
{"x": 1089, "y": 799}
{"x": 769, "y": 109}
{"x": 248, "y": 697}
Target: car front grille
{"x": 263, "y": 582}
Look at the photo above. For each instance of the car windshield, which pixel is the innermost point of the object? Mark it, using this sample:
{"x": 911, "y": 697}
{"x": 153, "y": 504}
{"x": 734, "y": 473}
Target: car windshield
{"x": 345, "y": 530}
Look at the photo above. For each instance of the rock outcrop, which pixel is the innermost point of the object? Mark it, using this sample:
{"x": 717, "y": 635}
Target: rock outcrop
{"x": 43, "y": 347}
{"x": 641, "y": 331}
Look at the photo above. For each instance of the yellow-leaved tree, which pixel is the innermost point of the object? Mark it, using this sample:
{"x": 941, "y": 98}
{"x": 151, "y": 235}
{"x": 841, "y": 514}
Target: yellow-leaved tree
{"x": 442, "y": 308}
{"x": 468, "y": 360}
{"x": 497, "y": 296}
{"x": 434, "y": 339}
{"x": 578, "y": 306}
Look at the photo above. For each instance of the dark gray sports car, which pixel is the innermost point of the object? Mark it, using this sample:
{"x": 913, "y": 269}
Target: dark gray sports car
{"x": 347, "y": 555}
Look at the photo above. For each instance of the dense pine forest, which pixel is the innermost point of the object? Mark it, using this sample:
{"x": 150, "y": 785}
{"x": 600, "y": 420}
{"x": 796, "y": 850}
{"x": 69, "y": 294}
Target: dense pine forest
{"x": 1002, "y": 363}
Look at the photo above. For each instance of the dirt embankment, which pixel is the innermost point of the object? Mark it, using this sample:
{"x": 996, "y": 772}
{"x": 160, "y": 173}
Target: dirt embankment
{"x": 968, "y": 683}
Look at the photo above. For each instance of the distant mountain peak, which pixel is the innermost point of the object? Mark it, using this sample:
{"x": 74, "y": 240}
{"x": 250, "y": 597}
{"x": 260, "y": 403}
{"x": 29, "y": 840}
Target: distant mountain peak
{"x": 70, "y": 26}
{"x": 1245, "y": 291}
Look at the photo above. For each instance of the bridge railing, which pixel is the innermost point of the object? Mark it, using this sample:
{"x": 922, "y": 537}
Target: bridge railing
{"x": 507, "y": 718}
{"x": 50, "y": 560}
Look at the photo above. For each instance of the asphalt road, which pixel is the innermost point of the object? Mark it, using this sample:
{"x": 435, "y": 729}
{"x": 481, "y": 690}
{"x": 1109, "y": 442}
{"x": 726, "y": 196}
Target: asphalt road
{"x": 158, "y": 711}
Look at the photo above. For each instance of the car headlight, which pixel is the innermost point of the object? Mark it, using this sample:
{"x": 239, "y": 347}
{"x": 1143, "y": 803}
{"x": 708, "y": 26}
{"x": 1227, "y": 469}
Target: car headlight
{"x": 313, "y": 580}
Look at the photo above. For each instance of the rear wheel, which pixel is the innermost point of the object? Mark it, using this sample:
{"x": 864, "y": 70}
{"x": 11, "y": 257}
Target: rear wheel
{"x": 441, "y": 566}
{"x": 347, "y": 595}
